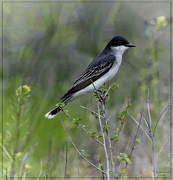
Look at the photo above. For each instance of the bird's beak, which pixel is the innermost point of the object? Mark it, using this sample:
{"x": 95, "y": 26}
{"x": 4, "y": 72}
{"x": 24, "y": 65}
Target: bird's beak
{"x": 130, "y": 45}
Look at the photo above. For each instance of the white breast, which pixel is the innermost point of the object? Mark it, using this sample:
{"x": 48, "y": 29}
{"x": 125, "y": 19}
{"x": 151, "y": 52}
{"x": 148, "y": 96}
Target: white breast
{"x": 109, "y": 75}
{"x": 118, "y": 51}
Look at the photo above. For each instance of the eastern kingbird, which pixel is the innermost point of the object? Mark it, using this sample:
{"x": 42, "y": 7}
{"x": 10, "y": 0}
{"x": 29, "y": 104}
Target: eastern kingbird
{"x": 103, "y": 68}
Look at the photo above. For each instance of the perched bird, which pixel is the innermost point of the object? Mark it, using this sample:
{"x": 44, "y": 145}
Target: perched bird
{"x": 103, "y": 68}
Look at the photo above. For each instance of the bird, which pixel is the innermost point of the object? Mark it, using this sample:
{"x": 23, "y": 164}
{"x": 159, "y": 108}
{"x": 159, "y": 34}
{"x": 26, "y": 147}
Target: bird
{"x": 103, "y": 68}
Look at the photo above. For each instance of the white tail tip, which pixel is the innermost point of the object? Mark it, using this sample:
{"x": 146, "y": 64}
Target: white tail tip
{"x": 49, "y": 116}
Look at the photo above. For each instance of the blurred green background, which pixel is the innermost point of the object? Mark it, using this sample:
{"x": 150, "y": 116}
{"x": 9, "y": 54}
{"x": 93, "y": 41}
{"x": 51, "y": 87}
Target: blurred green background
{"x": 46, "y": 46}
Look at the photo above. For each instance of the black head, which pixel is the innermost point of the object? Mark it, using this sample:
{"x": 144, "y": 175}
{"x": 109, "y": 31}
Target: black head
{"x": 119, "y": 41}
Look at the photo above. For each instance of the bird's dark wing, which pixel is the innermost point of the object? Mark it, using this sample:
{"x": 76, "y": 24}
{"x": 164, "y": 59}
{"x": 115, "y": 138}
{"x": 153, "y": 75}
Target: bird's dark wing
{"x": 95, "y": 70}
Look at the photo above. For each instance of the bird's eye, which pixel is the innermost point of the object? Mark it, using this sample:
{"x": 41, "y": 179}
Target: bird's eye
{"x": 119, "y": 42}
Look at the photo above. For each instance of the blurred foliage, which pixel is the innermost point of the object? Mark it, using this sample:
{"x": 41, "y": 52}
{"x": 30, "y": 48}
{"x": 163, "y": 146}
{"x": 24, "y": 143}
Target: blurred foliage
{"x": 46, "y": 46}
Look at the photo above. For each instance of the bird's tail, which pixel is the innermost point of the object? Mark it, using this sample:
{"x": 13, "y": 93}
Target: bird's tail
{"x": 51, "y": 114}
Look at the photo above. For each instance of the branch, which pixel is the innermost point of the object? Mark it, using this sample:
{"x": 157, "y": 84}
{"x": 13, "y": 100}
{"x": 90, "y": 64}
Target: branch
{"x": 162, "y": 148}
{"x": 152, "y": 139}
{"x": 159, "y": 119}
{"x": 164, "y": 166}
{"x": 136, "y": 133}
{"x": 140, "y": 126}
{"x": 148, "y": 107}
{"x": 90, "y": 110}
{"x": 77, "y": 149}
{"x": 82, "y": 128}
{"x": 102, "y": 99}
{"x": 104, "y": 143}
{"x": 108, "y": 134}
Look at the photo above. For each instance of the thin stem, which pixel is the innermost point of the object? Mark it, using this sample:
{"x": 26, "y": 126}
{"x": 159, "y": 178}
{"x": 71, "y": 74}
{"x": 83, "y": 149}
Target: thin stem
{"x": 108, "y": 90}
{"x": 162, "y": 148}
{"x": 136, "y": 136}
{"x": 104, "y": 143}
{"x": 146, "y": 122}
{"x": 90, "y": 110}
{"x": 119, "y": 167}
{"x": 102, "y": 169}
{"x": 129, "y": 141}
{"x": 140, "y": 126}
{"x": 77, "y": 148}
{"x": 153, "y": 159}
{"x": 148, "y": 106}
{"x": 82, "y": 128}
{"x": 159, "y": 119}
{"x": 108, "y": 135}
{"x": 152, "y": 139}
{"x": 66, "y": 159}
{"x": 164, "y": 166}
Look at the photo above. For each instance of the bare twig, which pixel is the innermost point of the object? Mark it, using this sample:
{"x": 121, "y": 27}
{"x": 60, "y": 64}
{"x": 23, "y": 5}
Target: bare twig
{"x": 159, "y": 119}
{"x": 132, "y": 149}
{"x": 77, "y": 148}
{"x": 129, "y": 141}
{"x": 66, "y": 159}
{"x": 90, "y": 110}
{"x": 152, "y": 138}
{"x": 62, "y": 153}
{"x": 108, "y": 91}
{"x": 164, "y": 166}
{"x": 140, "y": 126}
{"x": 6, "y": 152}
{"x": 146, "y": 122}
{"x": 25, "y": 157}
{"x": 148, "y": 107}
{"x": 162, "y": 147}
{"x": 136, "y": 134}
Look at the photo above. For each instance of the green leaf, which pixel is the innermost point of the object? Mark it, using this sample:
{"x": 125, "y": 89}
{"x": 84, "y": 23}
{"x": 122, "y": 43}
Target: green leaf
{"x": 105, "y": 128}
{"x": 124, "y": 157}
{"x": 92, "y": 134}
{"x": 100, "y": 165}
{"x": 114, "y": 86}
{"x": 60, "y": 104}
{"x": 112, "y": 157}
{"x": 118, "y": 118}
{"x": 128, "y": 105}
{"x": 83, "y": 125}
{"x": 122, "y": 113}
{"x": 96, "y": 95}
{"x": 137, "y": 140}
{"x": 103, "y": 88}
{"x": 97, "y": 137}
{"x": 84, "y": 153}
{"x": 115, "y": 137}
